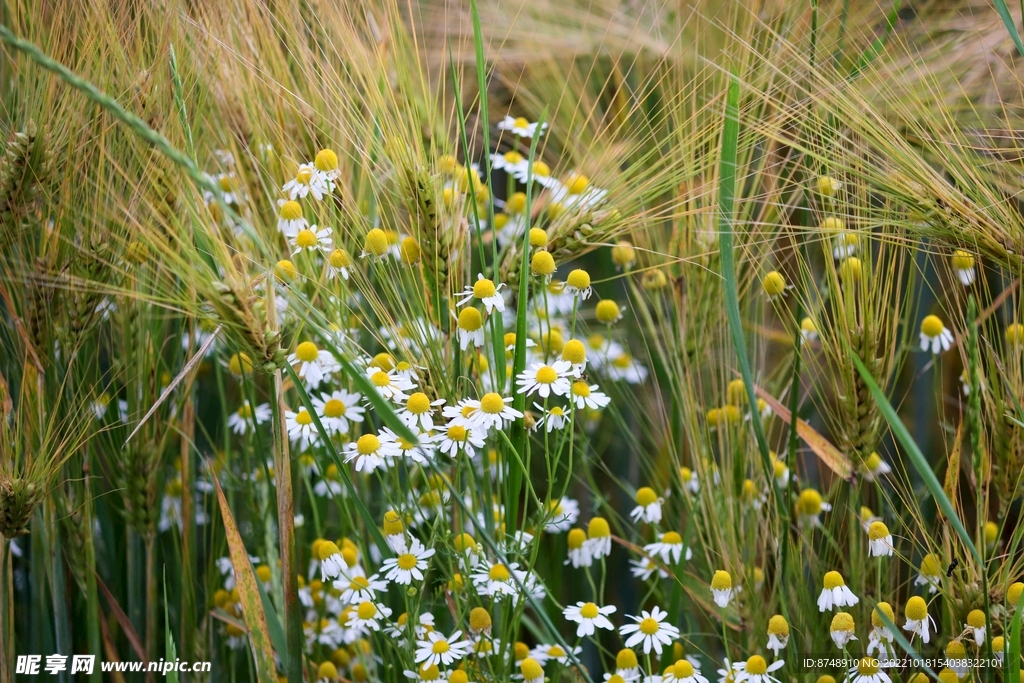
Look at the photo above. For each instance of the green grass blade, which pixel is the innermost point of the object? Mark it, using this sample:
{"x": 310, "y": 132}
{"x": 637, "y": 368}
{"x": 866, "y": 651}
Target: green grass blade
{"x": 916, "y": 457}
{"x": 872, "y": 52}
{"x": 170, "y": 651}
{"x": 1011, "y": 28}
{"x": 274, "y": 626}
{"x": 1013, "y": 656}
{"x": 726, "y": 207}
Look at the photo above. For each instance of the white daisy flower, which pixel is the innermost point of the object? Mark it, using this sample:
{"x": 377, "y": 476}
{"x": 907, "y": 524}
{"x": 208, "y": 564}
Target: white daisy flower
{"x": 520, "y": 127}
{"x": 512, "y": 162}
{"x": 367, "y": 616}
{"x": 935, "y": 336}
{"x": 332, "y": 564}
{"x": 491, "y": 411}
{"x": 669, "y": 548}
{"x": 309, "y": 180}
{"x": 586, "y": 396}
{"x": 301, "y": 430}
{"x": 438, "y": 650}
{"x": 311, "y": 239}
{"x": 418, "y": 411}
{"x": 624, "y": 367}
{"x": 357, "y": 588}
{"x": 330, "y": 484}
{"x": 498, "y": 580}
{"x": 455, "y": 437}
{"x": 835, "y": 593}
{"x": 650, "y": 630}
{"x": 336, "y": 409}
{"x": 242, "y": 420}
{"x": 721, "y": 588}
{"x": 930, "y": 573}
{"x": 563, "y": 514}
{"x": 545, "y": 653}
{"x": 963, "y": 264}
{"x": 590, "y": 617}
{"x": 880, "y": 638}
{"x": 429, "y": 674}
{"x": 599, "y": 538}
{"x": 290, "y": 219}
{"x": 683, "y": 671}
{"x": 879, "y": 540}
{"x": 372, "y": 451}
{"x": 918, "y": 622}
{"x": 313, "y": 364}
{"x": 648, "y": 506}
{"x": 390, "y": 384}
{"x": 778, "y": 634}
{"x": 470, "y": 325}
{"x": 842, "y": 629}
{"x": 545, "y": 380}
{"x": 875, "y": 467}
{"x": 867, "y": 671}
{"x": 551, "y": 419}
{"x": 486, "y": 292}
{"x": 408, "y": 566}
{"x": 756, "y": 670}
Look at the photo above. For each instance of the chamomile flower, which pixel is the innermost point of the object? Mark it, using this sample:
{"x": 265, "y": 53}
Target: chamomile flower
{"x": 879, "y": 540}
{"x": 587, "y": 396}
{"x": 756, "y": 670}
{"x": 648, "y": 506}
{"x": 919, "y": 622}
{"x": 683, "y": 671}
{"x": 563, "y": 514}
{"x": 409, "y": 565}
{"x": 809, "y": 507}
{"x": 875, "y": 467}
{"x": 999, "y": 648}
{"x": 880, "y": 639}
{"x": 956, "y": 658}
{"x": 963, "y": 265}
{"x": 510, "y": 162}
{"x": 357, "y": 589}
{"x": 337, "y": 409}
{"x": 721, "y": 588}
{"x": 309, "y": 180}
{"x": 589, "y": 617}
{"x": 331, "y": 561}
{"x": 428, "y": 674}
{"x": 599, "y": 538}
{"x": 778, "y": 634}
{"x": 314, "y": 364}
{"x": 835, "y": 593}
{"x": 330, "y": 483}
{"x": 471, "y": 328}
{"x": 338, "y": 263}
{"x": 669, "y": 548}
{"x": 649, "y": 629}
{"x": 311, "y": 239}
{"x": 456, "y": 437}
{"x": 624, "y": 367}
{"x": 491, "y": 411}
{"x": 929, "y": 573}
{"x": 520, "y": 127}
{"x": 290, "y": 219}
{"x": 976, "y": 624}
{"x": 545, "y": 380}
{"x": 626, "y": 665}
{"x": 934, "y": 335}
{"x": 301, "y": 430}
{"x": 842, "y": 629}
{"x": 368, "y": 616}
{"x": 439, "y": 650}
{"x": 689, "y": 480}
{"x": 531, "y": 671}
{"x": 372, "y": 451}
{"x": 552, "y": 418}
{"x": 774, "y": 285}
{"x": 486, "y": 292}
{"x": 242, "y": 420}
{"x": 868, "y": 671}
{"x": 418, "y": 411}
{"x": 390, "y": 384}
{"x": 498, "y": 580}
{"x": 646, "y": 567}
{"x": 808, "y": 330}
{"x": 577, "y": 283}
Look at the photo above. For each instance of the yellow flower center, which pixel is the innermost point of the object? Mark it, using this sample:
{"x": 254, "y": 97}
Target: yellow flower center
{"x": 962, "y": 260}
{"x": 520, "y": 122}
{"x": 376, "y": 242}
{"x": 542, "y": 263}
{"x": 380, "y": 379}
{"x": 809, "y": 502}
{"x": 916, "y": 608}
{"x": 682, "y": 669}
{"x": 291, "y": 211}
{"x": 833, "y": 579}
{"x": 303, "y": 417}
{"x": 334, "y": 408}
{"x": 607, "y": 311}
{"x": 307, "y": 352}
{"x": 880, "y": 609}
{"x": 976, "y": 619}
{"x": 492, "y": 404}
{"x": 406, "y": 561}
{"x": 326, "y": 160}
{"x": 579, "y": 278}
{"x": 598, "y": 528}
{"x": 368, "y": 444}
{"x": 546, "y": 375}
{"x": 589, "y": 611}
{"x": 470, "y": 320}
{"x": 245, "y": 412}
{"x": 778, "y": 626}
{"x": 513, "y": 157}
{"x": 932, "y": 326}
{"x": 867, "y": 666}
{"x": 457, "y": 433}
{"x": 877, "y": 531}
{"x": 360, "y": 582}
{"x": 757, "y": 666}
{"x": 531, "y": 669}
{"x": 418, "y": 403}
{"x": 773, "y": 283}
{"x": 645, "y": 495}
{"x": 721, "y": 581}
{"x": 842, "y": 622}
{"x": 672, "y": 538}
{"x": 539, "y": 239}
{"x": 931, "y": 565}
{"x": 339, "y": 258}
{"x": 577, "y": 183}
{"x": 499, "y": 572}
{"x": 649, "y": 626}
{"x": 440, "y": 647}
{"x": 306, "y": 239}
{"x": 484, "y": 289}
